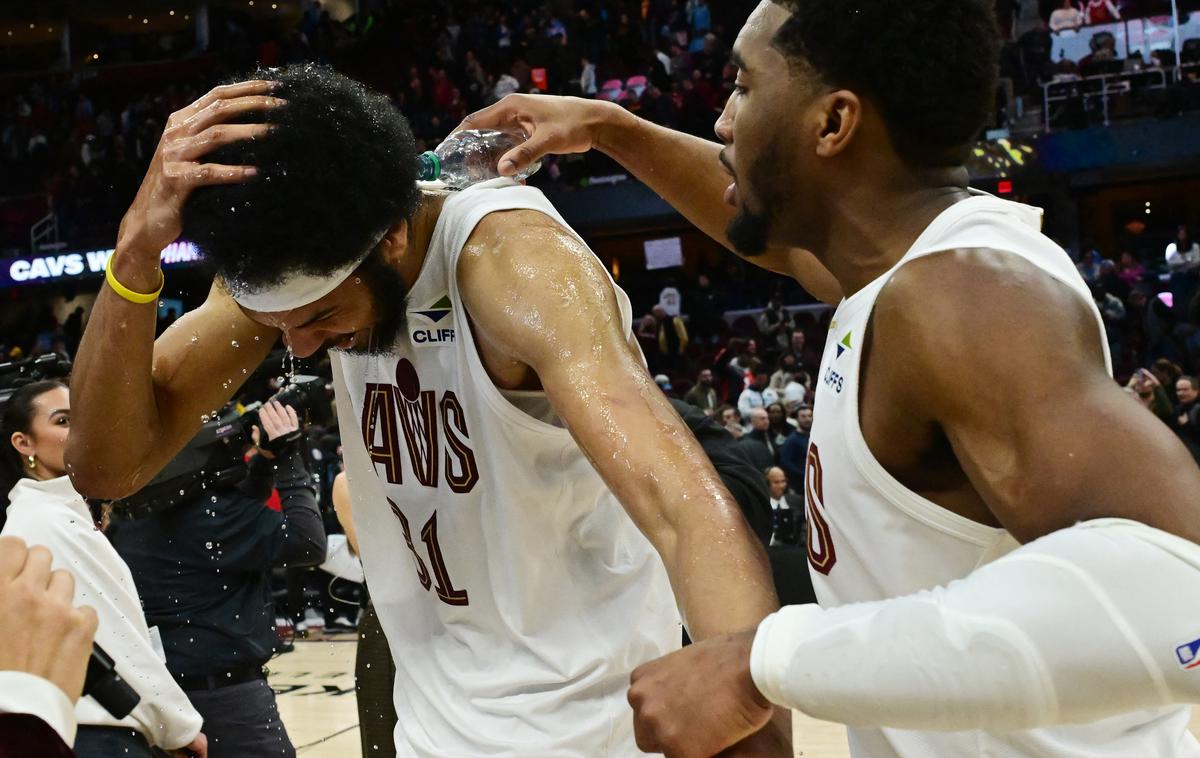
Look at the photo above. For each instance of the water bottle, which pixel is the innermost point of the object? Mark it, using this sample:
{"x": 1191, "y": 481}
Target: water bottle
{"x": 469, "y": 157}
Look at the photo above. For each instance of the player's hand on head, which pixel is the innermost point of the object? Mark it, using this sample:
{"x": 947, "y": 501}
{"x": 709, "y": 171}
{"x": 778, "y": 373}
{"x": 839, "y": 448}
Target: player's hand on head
{"x": 178, "y": 166}
{"x": 553, "y": 125}
{"x": 701, "y": 700}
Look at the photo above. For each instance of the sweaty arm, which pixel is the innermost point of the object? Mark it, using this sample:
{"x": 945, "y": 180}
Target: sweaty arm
{"x": 537, "y": 295}
{"x": 1106, "y": 502}
{"x": 136, "y": 401}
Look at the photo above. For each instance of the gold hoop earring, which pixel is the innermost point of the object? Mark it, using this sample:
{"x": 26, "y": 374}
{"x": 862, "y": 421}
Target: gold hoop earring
{"x": 32, "y": 462}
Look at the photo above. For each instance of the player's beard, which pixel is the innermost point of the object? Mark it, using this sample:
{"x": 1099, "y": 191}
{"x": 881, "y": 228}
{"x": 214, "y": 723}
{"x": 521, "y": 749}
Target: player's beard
{"x": 389, "y": 303}
{"x": 749, "y": 232}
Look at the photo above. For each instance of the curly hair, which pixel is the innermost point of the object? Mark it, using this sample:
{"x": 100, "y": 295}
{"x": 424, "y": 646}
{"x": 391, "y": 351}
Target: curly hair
{"x": 930, "y": 66}
{"x": 337, "y": 171}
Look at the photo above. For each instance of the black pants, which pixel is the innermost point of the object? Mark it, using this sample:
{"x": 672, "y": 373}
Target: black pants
{"x": 374, "y": 673}
{"x": 107, "y": 741}
{"x": 242, "y": 721}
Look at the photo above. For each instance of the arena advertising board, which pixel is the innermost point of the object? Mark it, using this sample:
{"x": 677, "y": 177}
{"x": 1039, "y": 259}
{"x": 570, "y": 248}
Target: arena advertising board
{"x": 59, "y": 267}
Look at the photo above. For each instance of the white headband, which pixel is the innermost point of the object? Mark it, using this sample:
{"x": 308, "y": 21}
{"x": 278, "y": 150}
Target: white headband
{"x": 297, "y": 290}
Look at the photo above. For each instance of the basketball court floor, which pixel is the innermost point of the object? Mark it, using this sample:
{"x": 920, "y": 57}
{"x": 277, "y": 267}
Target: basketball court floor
{"x": 316, "y": 699}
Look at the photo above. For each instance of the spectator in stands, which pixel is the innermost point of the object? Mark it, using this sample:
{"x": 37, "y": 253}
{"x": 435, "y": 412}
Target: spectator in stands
{"x": 1130, "y": 270}
{"x": 587, "y": 77}
{"x": 729, "y": 419}
{"x": 793, "y": 454}
{"x": 757, "y": 441}
{"x": 780, "y": 426}
{"x": 787, "y": 509}
{"x": 785, "y": 374}
{"x": 664, "y": 383}
{"x": 1183, "y": 261}
{"x": 1089, "y": 265}
{"x": 672, "y": 339}
{"x": 775, "y": 324}
{"x": 807, "y": 359}
{"x": 707, "y": 306}
{"x": 757, "y": 395}
{"x": 1067, "y": 16}
{"x": 1101, "y": 12}
{"x": 1187, "y": 414}
{"x": 703, "y": 395}
{"x": 699, "y": 17}
{"x": 1150, "y": 393}
{"x": 1167, "y": 373}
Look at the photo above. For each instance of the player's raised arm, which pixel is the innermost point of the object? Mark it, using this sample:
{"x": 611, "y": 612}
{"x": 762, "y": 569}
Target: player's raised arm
{"x": 140, "y": 401}
{"x": 684, "y": 170}
{"x": 536, "y": 293}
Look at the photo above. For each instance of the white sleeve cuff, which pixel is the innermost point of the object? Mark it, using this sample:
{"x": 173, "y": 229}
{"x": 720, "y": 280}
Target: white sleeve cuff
{"x": 775, "y": 647}
{"x": 25, "y": 693}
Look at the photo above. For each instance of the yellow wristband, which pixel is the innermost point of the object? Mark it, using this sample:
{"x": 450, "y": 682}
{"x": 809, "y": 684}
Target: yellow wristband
{"x": 133, "y": 297}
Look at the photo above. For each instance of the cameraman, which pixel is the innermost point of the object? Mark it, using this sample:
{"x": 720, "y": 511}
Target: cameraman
{"x": 203, "y": 570}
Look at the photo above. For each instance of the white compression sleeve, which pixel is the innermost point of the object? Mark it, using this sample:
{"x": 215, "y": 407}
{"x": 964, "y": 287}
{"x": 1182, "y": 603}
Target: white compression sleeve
{"x": 1091, "y": 621}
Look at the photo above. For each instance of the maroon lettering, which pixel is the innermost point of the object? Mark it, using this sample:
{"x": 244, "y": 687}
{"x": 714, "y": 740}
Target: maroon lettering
{"x": 422, "y": 572}
{"x": 419, "y": 421}
{"x": 454, "y": 422}
{"x": 379, "y": 422}
{"x": 445, "y": 588}
{"x": 821, "y": 553}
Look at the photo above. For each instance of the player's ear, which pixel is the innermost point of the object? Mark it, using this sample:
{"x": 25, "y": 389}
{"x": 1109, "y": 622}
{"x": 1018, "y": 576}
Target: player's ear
{"x": 394, "y": 244}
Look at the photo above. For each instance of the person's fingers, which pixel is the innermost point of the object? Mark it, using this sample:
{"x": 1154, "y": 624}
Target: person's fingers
{"x": 13, "y": 551}
{"x": 36, "y": 571}
{"x": 226, "y": 92}
{"x": 255, "y": 434}
{"x": 61, "y": 586}
{"x": 293, "y": 417}
{"x": 192, "y": 147}
{"x": 500, "y": 113}
{"x": 221, "y": 111}
{"x": 203, "y": 174}
{"x": 524, "y": 154}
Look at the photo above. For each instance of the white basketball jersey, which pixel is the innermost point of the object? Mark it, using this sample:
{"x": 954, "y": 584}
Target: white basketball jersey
{"x": 515, "y": 592}
{"x": 870, "y": 538}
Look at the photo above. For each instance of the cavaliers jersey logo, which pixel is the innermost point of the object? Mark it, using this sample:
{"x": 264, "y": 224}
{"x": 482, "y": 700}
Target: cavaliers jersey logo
{"x": 403, "y": 422}
{"x": 430, "y": 328}
{"x": 1189, "y": 655}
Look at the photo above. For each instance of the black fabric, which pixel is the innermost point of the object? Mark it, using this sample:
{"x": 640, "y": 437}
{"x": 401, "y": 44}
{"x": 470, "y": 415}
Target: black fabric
{"x": 738, "y": 472}
{"x": 23, "y": 735}
{"x": 202, "y": 569}
{"x": 758, "y": 450}
{"x": 243, "y": 722}
{"x": 374, "y": 675}
{"x": 109, "y": 741}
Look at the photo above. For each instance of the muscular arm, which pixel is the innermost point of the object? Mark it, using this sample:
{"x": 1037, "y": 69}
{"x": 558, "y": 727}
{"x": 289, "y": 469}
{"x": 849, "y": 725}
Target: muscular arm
{"x": 1057, "y": 441}
{"x": 680, "y": 168}
{"x": 558, "y": 314}
{"x": 137, "y": 401}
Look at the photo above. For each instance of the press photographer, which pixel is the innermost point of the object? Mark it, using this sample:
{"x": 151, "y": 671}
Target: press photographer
{"x": 201, "y": 544}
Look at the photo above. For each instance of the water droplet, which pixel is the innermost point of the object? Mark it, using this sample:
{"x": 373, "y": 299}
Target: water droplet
{"x": 208, "y": 545}
{"x": 195, "y": 338}
{"x": 234, "y": 343}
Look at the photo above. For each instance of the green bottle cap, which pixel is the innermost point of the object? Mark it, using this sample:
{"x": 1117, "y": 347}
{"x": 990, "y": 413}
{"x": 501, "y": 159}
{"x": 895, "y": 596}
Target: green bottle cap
{"x": 430, "y": 168}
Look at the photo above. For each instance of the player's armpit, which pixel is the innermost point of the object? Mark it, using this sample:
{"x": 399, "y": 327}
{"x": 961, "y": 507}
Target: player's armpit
{"x": 1008, "y": 363}
{"x": 127, "y": 424}
{"x": 537, "y": 294}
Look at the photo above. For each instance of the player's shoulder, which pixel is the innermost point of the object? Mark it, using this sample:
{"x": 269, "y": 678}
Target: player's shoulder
{"x": 512, "y": 246}
{"x": 969, "y": 313}
{"x": 981, "y": 287}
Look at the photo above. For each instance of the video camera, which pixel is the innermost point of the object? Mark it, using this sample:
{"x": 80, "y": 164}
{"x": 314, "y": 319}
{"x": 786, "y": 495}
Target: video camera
{"x": 16, "y": 374}
{"x": 214, "y": 456}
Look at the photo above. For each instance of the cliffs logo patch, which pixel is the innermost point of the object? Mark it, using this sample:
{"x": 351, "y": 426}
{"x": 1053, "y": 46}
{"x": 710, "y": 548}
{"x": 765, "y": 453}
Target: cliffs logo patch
{"x": 1189, "y": 655}
{"x": 438, "y": 331}
{"x": 844, "y": 344}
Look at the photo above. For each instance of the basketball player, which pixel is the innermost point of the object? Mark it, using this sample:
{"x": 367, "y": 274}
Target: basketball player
{"x": 504, "y": 443}
{"x": 1003, "y": 546}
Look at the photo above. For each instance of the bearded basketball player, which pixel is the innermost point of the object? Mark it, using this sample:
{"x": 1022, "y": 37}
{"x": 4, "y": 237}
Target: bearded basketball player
{"x": 525, "y": 498}
{"x": 1004, "y": 547}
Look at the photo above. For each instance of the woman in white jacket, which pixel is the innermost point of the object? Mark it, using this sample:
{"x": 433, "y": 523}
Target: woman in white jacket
{"x": 44, "y": 509}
